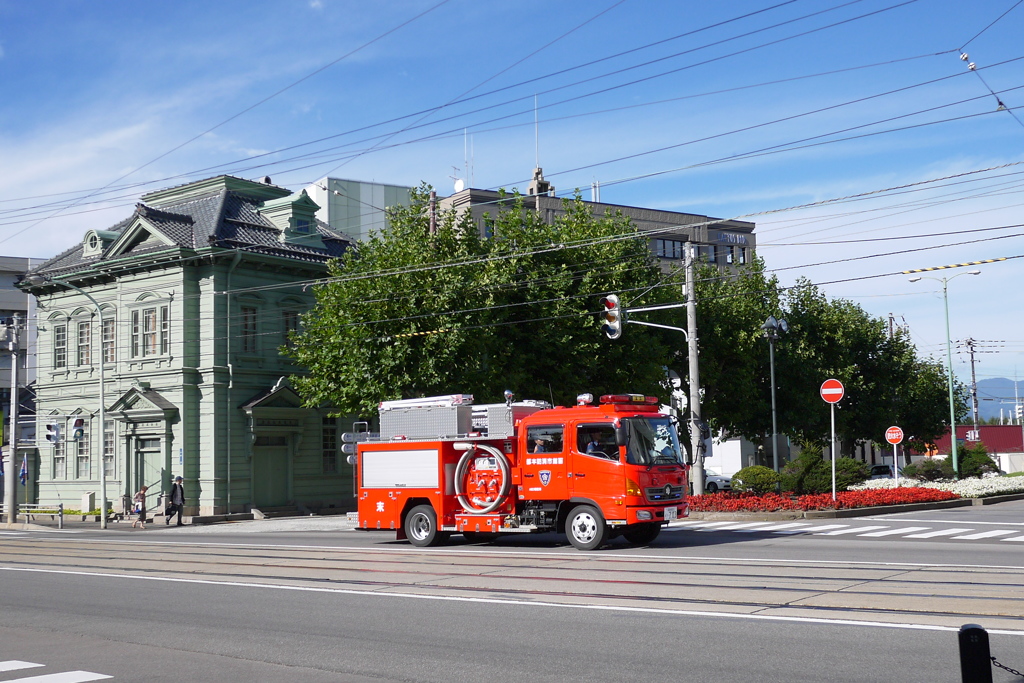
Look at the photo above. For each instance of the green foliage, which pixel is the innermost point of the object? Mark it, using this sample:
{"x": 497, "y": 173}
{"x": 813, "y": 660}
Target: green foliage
{"x": 929, "y": 469}
{"x": 975, "y": 461}
{"x": 410, "y": 313}
{"x": 810, "y": 473}
{"x": 1014, "y": 474}
{"x": 886, "y": 383}
{"x": 756, "y": 479}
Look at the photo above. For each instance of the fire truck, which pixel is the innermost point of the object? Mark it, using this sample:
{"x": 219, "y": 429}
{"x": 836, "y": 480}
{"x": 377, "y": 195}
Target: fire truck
{"x": 443, "y": 465}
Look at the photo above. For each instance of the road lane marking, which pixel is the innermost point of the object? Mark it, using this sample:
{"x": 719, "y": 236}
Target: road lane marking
{"x": 893, "y": 532}
{"x": 813, "y": 529}
{"x": 946, "y": 521}
{"x": 985, "y": 534}
{"x": 853, "y": 530}
{"x": 521, "y": 603}
{"x": 1015, "y": 538}
{"x": 65, "y": 677}
{"x": 17, "y": 665}
{"x": 940, "y": 532}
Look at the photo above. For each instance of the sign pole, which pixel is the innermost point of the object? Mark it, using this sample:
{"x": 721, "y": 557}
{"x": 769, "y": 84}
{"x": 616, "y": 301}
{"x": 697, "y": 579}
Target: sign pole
{"x": 894, "y": 435}
{"x": 895, "y": 465}
{"x": 832, "y": 392}
{"x": 833, "y": 410}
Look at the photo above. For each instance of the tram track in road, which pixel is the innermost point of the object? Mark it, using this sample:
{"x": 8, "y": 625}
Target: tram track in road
{"x": 938, "y": 593}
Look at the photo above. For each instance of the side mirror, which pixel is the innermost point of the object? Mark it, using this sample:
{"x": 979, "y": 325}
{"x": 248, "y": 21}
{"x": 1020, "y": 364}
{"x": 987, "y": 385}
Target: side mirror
{"x": 620, "y": 435}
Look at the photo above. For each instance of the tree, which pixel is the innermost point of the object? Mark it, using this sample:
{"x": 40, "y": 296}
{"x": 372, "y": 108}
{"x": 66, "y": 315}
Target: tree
{"x": 409, "y": 313}
{"x": 886, "y": 383}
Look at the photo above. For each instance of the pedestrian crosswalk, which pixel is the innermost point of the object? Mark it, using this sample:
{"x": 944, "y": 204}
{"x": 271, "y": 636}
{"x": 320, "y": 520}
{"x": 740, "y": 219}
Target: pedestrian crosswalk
{"x": 18, "y": 666}
{"x": 955, "y": 533}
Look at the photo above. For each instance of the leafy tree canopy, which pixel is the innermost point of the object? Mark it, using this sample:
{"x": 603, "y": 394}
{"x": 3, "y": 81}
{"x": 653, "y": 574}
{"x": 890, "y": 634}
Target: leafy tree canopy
{"x": 409, "y": 313}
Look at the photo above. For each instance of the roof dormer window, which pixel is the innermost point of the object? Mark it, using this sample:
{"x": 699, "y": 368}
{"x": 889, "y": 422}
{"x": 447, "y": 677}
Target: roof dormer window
{"x": 295, "y": 217}
{"x": 96, "y": 241}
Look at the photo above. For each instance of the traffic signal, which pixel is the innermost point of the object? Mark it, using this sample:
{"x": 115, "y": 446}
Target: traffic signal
{"x": 53, "y": 432}
{"x": 612, "y": 326}
{"x": 78, "y": 430}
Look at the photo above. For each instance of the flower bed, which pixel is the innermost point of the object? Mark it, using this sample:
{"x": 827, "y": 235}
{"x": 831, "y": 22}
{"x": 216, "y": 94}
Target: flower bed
{"x": 773, "y": 502}
{"x": 965, "y": 488}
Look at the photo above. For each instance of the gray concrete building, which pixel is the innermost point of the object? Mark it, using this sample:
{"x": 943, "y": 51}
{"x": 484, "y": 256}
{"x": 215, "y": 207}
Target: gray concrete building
{"x": 725, "y": 243}
{"x": 353, "y": 207}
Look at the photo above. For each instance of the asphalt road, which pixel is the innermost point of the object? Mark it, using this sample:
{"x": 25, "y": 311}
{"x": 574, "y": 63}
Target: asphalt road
{"x": 302, "y": 600}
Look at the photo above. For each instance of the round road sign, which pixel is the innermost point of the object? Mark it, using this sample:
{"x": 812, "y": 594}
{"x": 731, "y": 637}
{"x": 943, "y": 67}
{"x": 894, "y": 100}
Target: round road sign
{"x": 894, "y": 435}
{"x": 832, "y": 390}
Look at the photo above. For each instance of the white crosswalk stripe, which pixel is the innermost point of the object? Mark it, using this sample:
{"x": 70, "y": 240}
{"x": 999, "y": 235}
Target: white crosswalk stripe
{"x": 894, "y": 532}
{"x": 17, "y": 665}
{"x": 866, "y": 531}
{"x": 853, "y": 530}
{"x": 940, "y": 532}
{"x": 986, "y": 534}
{"x": 773, "y": 527}
{"x": 62, "y": 677}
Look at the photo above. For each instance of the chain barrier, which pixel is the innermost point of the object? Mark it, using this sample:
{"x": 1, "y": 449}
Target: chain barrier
{"x": 1006, "y": 668}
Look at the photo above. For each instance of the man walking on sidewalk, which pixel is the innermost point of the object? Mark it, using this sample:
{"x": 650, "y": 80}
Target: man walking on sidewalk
{"x": 177, "y": 502}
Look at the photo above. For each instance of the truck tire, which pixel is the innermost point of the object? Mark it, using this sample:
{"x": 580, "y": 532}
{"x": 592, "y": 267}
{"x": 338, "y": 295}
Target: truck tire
{"x": 642, "y": 534}
{"x": 585, "y": 528}
{"x": 421, "y": 527}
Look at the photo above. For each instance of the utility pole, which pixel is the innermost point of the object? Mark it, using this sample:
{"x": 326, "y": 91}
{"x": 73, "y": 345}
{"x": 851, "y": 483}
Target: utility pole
{"x": 970, "y": 344}
{"x": 10, "y": 468}
{"x": 696, "y": 435}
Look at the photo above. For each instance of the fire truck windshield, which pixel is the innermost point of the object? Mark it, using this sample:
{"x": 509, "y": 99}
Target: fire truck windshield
{"x": 652, "y": 441}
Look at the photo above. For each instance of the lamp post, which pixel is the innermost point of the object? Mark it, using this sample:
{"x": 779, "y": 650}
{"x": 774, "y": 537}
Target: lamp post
{"x": 772, "y": 328}
{"x": 949, "y": 364}
{"x": 37, "y": 279}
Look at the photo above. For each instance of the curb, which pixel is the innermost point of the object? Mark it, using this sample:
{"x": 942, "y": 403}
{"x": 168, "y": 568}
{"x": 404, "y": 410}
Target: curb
{"x": 992, "y": 500}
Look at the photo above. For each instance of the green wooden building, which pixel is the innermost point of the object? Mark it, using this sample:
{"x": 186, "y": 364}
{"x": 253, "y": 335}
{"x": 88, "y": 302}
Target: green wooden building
{"x": 199, "y": 289}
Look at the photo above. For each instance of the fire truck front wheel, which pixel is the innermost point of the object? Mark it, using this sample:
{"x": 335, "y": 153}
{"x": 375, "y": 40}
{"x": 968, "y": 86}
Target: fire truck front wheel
{"x": 585, "y": 528}
{"x": 421, "y": 527}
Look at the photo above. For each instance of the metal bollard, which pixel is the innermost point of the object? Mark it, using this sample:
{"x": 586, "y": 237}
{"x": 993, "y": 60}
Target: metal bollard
{"x": 975, "y": 657}
{"x": 60, "y": 515}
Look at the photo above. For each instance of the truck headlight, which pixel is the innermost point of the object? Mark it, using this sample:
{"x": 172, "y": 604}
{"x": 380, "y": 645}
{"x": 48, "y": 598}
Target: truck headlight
{"x": 643, "y": 514}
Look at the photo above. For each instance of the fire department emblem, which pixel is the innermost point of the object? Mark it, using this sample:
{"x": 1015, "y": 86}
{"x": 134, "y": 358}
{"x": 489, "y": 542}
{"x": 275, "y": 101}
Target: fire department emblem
{"x": 545, "y": 477}
{"x": 380, "y": 506}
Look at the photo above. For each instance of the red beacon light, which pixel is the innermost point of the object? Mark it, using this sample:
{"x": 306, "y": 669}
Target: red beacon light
{"x": 630, "y": 398}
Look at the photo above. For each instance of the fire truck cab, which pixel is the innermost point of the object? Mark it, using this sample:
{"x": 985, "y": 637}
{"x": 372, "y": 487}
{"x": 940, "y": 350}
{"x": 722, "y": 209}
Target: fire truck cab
{"x": 443, "y": 465}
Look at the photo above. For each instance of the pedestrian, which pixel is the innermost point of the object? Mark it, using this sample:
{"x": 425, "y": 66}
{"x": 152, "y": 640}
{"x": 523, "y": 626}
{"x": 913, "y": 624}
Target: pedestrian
{"x": 140, "y": 507}
{"x": 177, "y": 502}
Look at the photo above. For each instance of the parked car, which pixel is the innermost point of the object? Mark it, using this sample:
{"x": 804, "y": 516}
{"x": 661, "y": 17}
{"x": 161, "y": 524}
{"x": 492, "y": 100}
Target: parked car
{"x": 882, "y": 472}
{"x": 713, "y": 483}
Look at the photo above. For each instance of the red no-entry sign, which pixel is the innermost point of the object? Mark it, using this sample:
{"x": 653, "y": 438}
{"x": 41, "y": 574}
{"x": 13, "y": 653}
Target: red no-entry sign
{"x": 832, "y": 390}
{"x": 894, "y": 435}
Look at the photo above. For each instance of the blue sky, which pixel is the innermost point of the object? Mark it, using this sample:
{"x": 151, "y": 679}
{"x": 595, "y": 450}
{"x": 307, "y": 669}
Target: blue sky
{"x": 98, "y": 94}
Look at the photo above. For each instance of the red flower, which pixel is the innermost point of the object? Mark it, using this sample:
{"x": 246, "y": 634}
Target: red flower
{"x": 773, "y": 502}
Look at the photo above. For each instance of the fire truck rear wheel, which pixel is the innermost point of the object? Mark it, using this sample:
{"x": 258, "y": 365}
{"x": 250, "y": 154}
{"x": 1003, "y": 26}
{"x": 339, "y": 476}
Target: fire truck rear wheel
{"x": 642, "y": 534}
{"x": 585, "y": 528}
{"x": 421, "y": 527}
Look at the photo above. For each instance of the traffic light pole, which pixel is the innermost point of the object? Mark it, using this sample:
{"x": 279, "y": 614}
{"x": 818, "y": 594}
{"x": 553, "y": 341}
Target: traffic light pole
{"x": 11, "y": 456}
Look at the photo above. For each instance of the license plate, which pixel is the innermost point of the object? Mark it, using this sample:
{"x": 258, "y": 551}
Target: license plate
{"x": 670, "y": 513}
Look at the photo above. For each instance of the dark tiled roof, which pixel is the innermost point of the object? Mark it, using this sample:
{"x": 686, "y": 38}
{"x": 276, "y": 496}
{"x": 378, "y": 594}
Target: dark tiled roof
{"x": 226, "y": 219}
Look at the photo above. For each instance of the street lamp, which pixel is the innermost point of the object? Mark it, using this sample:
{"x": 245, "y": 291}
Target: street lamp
{"x": 772, "y": 328}
{"x": 36, "y": 280}
{"x": 949, "y": 363}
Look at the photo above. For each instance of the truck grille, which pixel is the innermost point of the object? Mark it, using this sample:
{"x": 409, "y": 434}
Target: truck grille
{"x": 659, "y": 493}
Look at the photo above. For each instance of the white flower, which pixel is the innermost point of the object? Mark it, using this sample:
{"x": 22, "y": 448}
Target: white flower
{"x": 965, "y": 488}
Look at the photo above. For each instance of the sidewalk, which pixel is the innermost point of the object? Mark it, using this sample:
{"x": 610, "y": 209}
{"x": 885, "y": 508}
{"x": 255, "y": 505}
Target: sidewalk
{"x": 156, "y": 524}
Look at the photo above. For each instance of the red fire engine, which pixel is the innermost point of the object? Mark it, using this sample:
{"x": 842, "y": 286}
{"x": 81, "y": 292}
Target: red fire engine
{"x": 443, "y": 465}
